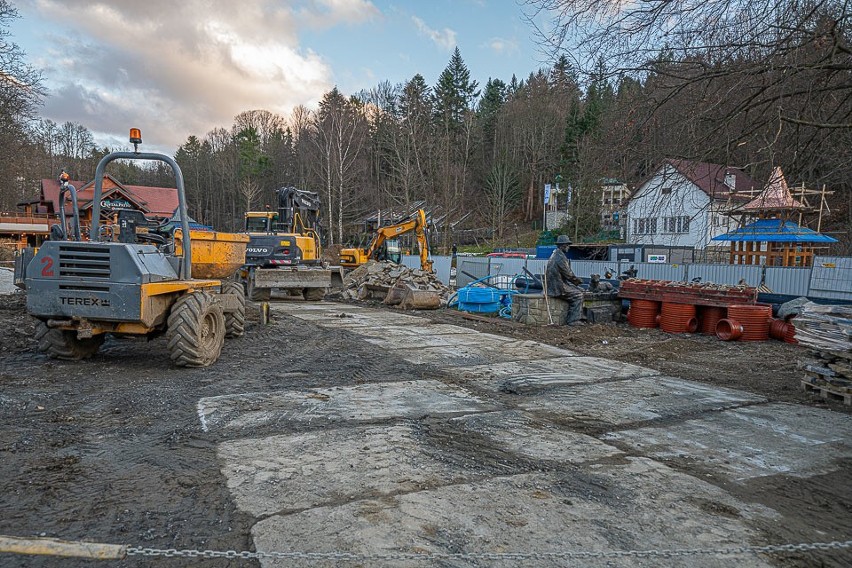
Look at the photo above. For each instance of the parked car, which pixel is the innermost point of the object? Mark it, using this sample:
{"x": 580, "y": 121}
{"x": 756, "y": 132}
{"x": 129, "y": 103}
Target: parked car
{"x": 508, "y": 255}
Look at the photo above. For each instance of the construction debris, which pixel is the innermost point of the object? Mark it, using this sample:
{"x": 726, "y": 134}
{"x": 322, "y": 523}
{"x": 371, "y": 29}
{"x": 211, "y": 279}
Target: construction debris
{"x": 825, "y": 327}
{"x": 395, "y": 285}
{"x": 827, "y": 331}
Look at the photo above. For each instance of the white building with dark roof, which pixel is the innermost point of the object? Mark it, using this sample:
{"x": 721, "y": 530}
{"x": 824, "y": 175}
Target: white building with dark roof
{"x": 683, "y": 204}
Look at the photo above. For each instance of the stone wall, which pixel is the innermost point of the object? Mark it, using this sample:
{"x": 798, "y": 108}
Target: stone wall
{"x": 532, "y": 309}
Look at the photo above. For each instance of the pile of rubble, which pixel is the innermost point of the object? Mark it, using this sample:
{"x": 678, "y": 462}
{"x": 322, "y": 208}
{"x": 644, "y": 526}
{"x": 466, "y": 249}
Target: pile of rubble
{"x": 395, "y": 285}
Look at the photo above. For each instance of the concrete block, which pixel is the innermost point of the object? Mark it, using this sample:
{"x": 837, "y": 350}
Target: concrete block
{"x": 535, "y": 309}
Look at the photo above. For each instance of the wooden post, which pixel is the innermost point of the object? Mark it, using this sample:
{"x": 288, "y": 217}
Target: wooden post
{"x": 66, "y": 548}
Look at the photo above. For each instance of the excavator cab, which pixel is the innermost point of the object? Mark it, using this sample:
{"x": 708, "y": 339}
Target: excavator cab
{"x": 260, "y": 222}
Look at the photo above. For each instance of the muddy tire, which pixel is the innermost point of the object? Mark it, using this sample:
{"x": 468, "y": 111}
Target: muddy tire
{"x": 314, "y": 294}
{"x": 235, "y": 322}
{"x": 196, "y": 330}
{"x": 257, "y": 294}
{"x": 63, "y": 344}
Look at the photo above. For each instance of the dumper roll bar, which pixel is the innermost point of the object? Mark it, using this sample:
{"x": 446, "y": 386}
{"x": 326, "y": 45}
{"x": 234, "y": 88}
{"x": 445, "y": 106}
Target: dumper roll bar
{"x": 94, "y": 235}
{"x": 67, "y": 187}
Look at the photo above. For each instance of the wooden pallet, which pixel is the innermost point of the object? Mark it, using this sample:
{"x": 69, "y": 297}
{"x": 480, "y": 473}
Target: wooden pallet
{"x": 683, "y": 293}
{"x": 828, "y": 392}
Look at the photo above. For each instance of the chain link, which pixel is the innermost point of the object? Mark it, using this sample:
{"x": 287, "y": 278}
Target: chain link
{"x": 568, "y": 554}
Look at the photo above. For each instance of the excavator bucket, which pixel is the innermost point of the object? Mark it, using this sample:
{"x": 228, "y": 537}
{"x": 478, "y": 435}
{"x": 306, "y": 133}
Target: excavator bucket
{"x": 408, "y": 298}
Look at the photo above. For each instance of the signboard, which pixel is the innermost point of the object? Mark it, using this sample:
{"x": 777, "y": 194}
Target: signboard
{"x": 116, "y": 204}
{"x": 657, "y": 258}
{"x": 546, "y": 193}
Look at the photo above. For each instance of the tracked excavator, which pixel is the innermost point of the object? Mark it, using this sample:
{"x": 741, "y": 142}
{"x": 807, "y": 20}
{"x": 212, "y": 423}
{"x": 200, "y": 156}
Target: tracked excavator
{"x": 355, "y": 257}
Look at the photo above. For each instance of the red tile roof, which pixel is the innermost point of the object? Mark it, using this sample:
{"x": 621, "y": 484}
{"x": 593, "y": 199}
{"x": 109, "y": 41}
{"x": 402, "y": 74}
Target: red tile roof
{"x": 153, "y": 201}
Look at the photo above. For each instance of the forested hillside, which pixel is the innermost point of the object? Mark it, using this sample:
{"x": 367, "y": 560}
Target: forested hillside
{"x": 719, "y": 81}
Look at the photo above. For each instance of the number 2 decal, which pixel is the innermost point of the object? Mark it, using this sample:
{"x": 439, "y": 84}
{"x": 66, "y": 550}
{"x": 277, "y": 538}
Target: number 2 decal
{"x": 47, "y": 268}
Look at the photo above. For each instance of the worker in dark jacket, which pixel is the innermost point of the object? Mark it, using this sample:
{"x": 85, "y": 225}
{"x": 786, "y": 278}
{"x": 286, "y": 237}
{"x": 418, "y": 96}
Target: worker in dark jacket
{"x": 562, "y": 282}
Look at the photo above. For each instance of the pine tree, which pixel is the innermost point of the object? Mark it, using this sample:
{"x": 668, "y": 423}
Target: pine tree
{"x": 487, "y": 115}
{"x": 454, "y": 93}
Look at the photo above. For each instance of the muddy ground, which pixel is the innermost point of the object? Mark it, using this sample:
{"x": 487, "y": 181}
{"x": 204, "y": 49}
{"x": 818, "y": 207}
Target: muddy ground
{"x": 110, "y": 449}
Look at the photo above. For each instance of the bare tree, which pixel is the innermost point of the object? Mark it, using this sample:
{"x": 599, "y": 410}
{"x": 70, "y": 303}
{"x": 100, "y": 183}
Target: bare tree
{"x": 75, "y": 141}
{"x": 249, "y": 189}
{"x": 267, "y": 125}
{"x": 748, "y": 84}
{"x": 20, "y": 95}
{"x": 340, "y": 134}
{"x": 501, "y": 192}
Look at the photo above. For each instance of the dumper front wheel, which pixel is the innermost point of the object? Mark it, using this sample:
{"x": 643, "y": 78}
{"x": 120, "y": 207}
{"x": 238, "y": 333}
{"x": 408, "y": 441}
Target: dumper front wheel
{"x": 235, "y": 321}
{"x": 63, "y": 344}
{"x": 196, "y": 330}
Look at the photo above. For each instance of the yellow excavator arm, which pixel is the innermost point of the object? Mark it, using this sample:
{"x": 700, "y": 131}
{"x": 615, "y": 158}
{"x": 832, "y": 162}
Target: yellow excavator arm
{"x": 351, "y": 258}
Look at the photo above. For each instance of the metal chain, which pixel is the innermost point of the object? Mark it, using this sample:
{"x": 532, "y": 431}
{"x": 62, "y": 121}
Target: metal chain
{"x": 737, "y": 551}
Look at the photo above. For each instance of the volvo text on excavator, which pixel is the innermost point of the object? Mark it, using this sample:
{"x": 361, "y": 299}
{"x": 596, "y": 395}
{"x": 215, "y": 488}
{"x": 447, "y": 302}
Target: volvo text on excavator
{"x": 355, "y": 257}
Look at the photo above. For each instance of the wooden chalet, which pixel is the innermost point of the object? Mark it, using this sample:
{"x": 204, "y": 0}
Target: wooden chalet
{"x": 32, "y": 225}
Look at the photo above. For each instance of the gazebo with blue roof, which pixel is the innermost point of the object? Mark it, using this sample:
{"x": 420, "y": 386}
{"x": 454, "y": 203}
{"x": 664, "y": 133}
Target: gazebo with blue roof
{"x": 774, "y": 241}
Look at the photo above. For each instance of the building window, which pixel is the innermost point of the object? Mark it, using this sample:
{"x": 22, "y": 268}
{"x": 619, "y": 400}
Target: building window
{"x": 666, "y": 190}
{"x": 676, "y": 224}
{"x": 645, "y": 226}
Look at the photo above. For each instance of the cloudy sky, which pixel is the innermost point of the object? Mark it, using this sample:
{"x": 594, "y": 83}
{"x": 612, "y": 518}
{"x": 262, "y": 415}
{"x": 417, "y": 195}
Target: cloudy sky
{"x": 180, "y": 68}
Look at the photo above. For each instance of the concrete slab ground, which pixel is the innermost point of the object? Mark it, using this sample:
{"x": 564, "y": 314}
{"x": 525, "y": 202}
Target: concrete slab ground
{"x": 521, "y": 434}
{"x": 529, "y": 377}
{"x": 419, "y": 340}
{"x": 635, "y": 400}
{"x": 636, "y": 503}
{"x": 360, "y": 403}
{"x": 427, "y": 330}
{"x": 756, "y": 441}
{"x": 287, "y": 473}
{"x": 347, "y": 317}
{"x": 510, "y": 447}
{"x": 461, "y": 355}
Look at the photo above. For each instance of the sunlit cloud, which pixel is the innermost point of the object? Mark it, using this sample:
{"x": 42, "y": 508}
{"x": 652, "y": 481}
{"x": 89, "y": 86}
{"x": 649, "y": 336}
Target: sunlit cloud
{"x": 445, "y": 38}
{"x": 176, "y": 69}
{"x": 330, "y": 13}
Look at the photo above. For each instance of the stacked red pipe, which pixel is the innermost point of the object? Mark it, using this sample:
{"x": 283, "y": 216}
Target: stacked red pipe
{"x": 708, "y": 317}
{"x": 643, "y": 313}
{"x": 755, "y": 320}
{"x": 778, "y": 328}
{"x": 728, "y": 329}
{"x": 790, "y": 334}
{"x": 678, "y": 318}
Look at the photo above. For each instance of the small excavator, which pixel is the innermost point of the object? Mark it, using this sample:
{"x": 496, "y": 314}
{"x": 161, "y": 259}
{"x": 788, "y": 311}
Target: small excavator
{"x": 355, "y": 257}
